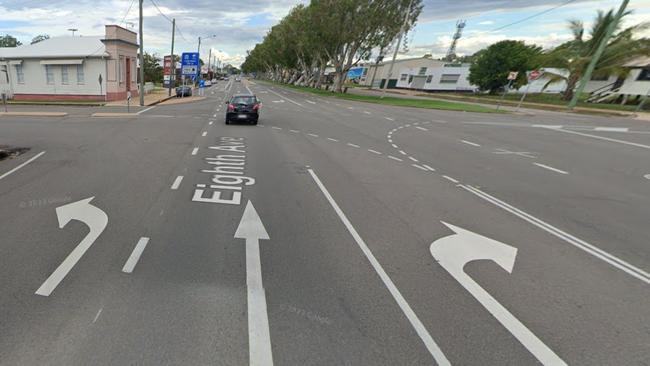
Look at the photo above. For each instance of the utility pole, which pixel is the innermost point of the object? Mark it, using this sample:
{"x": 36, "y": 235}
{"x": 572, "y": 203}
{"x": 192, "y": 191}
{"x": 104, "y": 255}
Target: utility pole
{"x": 209, "y": 61}
{"x": 141, "y": 93}
{"x": 172, "y": 76}
{"x": 399, "y": 42}
{"x": 72, "y": 30}
{"x": 599, "y": 52}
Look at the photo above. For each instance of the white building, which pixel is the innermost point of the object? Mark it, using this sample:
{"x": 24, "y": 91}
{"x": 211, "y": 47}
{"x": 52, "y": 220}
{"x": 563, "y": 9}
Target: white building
{"x": 70, "y": 68}
{"x": 440, "y": 77}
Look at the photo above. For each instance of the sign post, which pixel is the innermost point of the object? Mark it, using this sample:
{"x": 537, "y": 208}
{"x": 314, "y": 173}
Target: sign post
{"x": 512, "y": 76}
{"x": 167, "y": 73}
{"x": 128, "y": 101}
{"x": 534, "y": 75}
{"x": 4, "y": 101}
{"x": 100, "y": 84}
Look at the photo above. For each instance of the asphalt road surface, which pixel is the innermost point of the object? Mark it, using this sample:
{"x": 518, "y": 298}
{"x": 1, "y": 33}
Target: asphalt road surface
{"x": 332, "y": 233}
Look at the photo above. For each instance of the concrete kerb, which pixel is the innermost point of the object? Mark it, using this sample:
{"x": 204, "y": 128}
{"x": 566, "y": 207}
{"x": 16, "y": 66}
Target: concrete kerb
{"x": 34, "y": 114}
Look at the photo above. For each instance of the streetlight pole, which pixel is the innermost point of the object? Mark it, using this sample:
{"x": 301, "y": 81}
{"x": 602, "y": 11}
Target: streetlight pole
{"x": 399, "y": 43}
{"x": 141, "y": 91}
{"x": 599, "y": 52}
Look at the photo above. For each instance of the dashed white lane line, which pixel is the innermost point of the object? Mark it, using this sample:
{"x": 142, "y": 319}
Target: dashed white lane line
{"x": 414, "y": 159}
{"x": 177, "y": 182}
{"x": 135, "y": 255}
{"x": 204, "y": 134}
{"x": 99, "y": 312}
{"x": 428, "y": 167}
{"x": 612, "y": 129}
{"x": 551, "y": 168}
{"x": 394, "y": 146}
{"x": 312, "y": 135}
{"x": 195, "y": 150}
{"x": 351, "y": 108}
{"x": 378, "y": 153}
{"x": 548, "y": 126}
{"x": 391, "y": 141}
{"x": 450, "y": 179}
{"x": 417, "y": 325}
{"x": 403, "y": 152}
{"x": 394, "y": 158}
{"x": 281, "y": 96}
{"x": 647, "y": 176}
{"x": 214, "y": 115}
{"x": 331, "y": 139}
{"x": 275, "y": 128}
{"x": 422, "y": 128}
{"x": 23, "y": 164}
{"x": 309, "y": 101}
{"x": 294, "y": 131}
{"x": 420, "y": 167}
{"x": 470, "y": 143}
{"x": 388, "y": 118}
{"x": 353, "y": 145}
{"x": 438, "y": 121}
{"x": 210, "y": 122}
{"x": 366, "y": 112}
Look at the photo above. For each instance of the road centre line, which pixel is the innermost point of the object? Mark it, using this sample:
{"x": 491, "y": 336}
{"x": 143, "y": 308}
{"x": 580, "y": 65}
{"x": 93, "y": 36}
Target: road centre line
{"x": 578, "y": 243}
{"x": 551, "y": 168}
{"x": 450, "y": 179}
{"x": 195, "y": 150}
{"x": 23, "y": 164}
{"x": 177, "y": 182}
{"x": 282, "y": 96}
{"x": 601, "y": 138}
{"x": 420, "y": 329}
{"x": 135, "y": 255}
{"x": 470, "y": 143}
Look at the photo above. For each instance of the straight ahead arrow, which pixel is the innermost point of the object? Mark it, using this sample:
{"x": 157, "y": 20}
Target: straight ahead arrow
{"x": 259, "y": 338}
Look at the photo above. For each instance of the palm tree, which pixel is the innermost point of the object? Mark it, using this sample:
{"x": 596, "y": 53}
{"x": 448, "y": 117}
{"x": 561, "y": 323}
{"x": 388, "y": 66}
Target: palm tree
{"x": 574, "y": 56}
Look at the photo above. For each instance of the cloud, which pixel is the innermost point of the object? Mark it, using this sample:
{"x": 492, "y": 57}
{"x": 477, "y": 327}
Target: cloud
{"x": 486, "y": 22}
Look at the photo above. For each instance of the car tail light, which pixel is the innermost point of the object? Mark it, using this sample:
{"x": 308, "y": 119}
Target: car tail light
{"x": 231, "y": 107}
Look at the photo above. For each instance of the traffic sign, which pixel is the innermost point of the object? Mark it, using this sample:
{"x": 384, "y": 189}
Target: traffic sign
{"x": 190, "y": 63}
{"x": 534, "y": 75}
{"x": 513, "y": 75}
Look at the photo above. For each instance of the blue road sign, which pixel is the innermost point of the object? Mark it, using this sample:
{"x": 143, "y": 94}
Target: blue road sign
{"x": 190, "y": 64}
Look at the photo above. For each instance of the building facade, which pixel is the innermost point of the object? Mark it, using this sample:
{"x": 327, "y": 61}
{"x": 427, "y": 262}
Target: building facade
{"x": 95, "y": 68}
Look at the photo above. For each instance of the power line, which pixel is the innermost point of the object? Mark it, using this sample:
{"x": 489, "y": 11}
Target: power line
{"x": 169, "y": 20}
{"x": 533, "y": 16}
{"x": 127, "y": 12}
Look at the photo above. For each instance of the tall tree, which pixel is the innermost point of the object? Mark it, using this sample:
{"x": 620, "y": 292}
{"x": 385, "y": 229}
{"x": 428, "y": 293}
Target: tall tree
{"x": 153, "y": 71}
{"x": 492, "y": 65}
{"x": 9, "y": 41}
{"x": 39, "y": 38}
{"x": 574, "y": 56}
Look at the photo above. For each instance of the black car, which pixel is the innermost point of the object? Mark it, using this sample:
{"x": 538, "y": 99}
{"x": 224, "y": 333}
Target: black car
{"x": 243, "y": 107}
{"x": 183, "y": 91}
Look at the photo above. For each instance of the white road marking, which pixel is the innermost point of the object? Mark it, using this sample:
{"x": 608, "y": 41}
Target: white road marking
{"x": 428, "y": 167}
{"x": 378, "y": 153}
{"x": 135, "y": 255}
{"x": 450, "y": 179}
{"x": 545, "y": 126}
{"x": 394, "y": 158}
{"x": 422, "y": 128}
{"x": 551, "y": 168}
{"x": 177, "y": 182}
{"x": 98, "y": 314}
{"x": 647, "y": 176}
{"x": 309, "y": 101}
{"x": 420, "y": 167}
{"x": 470, "y": 143}
{"x": 214, "y": 115}
{"x": 420, "y": 329}
{"x": 331, "y": 139}
{"x": 23, "y": 164}
{"x": 366, "y": 112}
{"x": 455, "y": 251}
{"x": 414, "y": 159}
{"x": 578, "y": 243}
{"x": 351, "y": 108}
{"x": 602, "y": 138}
{"x": 275, "y": 128}
{"x": 312, "y": 135}
{"x": 402, "y": 152}
{"x": 294, "y": 102}
{"x": 612, "y": 129}
{"x": 195, "y": 150}
{"x": 388, "y": 118}
{"x": 210, "y": 122}
{"x": 146, "y": 109}
{"x": 294, "y": 131}
{"x": 439, "y": 121}
{"x": 353, "y": 145}
{"x": 394, "y": 146}
{"x": 391, "y": 141}
{"x": 95, "y": 219}
{"x": 252, "y": 229}
{"x": 204, "y": 134}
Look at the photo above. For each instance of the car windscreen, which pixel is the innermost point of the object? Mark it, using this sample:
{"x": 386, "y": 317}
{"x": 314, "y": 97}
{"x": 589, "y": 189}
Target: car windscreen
{"x": 243, "y": 100}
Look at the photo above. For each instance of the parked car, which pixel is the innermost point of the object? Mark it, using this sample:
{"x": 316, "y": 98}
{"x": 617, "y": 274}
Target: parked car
{"x": 214, "y": 80}
{"x": 243, "y": 107}
{"x": 237, "y": 79}
{"x": 183, "y": 91}
{"x": 207, "y": 83}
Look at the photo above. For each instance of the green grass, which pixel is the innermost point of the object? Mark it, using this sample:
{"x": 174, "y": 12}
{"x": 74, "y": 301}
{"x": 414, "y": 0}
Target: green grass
{"x": 401, "y": 102}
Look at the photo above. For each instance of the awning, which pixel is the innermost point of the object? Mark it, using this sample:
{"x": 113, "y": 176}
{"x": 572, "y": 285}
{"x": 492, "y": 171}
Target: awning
{"x": 15, "y": 62}
{"x": 62, "y": 62}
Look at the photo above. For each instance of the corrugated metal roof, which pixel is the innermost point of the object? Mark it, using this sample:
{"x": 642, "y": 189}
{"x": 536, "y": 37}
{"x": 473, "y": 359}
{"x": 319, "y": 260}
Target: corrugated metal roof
{"x": 58, "y": 47}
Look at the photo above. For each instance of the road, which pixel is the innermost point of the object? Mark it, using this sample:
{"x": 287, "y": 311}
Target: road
{"x": 332, "y": 233}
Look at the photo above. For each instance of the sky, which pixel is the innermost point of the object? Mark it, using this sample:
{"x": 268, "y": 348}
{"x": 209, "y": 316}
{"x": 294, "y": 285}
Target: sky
{"x": 229, "y": 28}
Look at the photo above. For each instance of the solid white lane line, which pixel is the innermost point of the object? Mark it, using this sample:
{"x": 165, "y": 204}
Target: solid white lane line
{"x": 420, "y": 167}
{"x": 470, "y": 143}
{"x": 421, "y": 128}
{"x": 414, "y": 159}
{"x": 428, "y": 167}
{"x": 312, "y": 135}
{"x": 195, "y": 150}
{"x": 551, "y": 168}
{"x": 450, "y": 179}
{"x": 353, "y": 145}
{"x": 602, "y": 138}
{"x": 394, "y": 158}
{"x": 612, "y": 129}
{"x": 388, "y": 118}
{"x": 204, "y": 134}
{"x": 420, "y": 329}
{"x": 378, "y": 153}
{"x": 177, "y": 182}
{"x": 135, "y": 255}
{"x": 23, "y": 164}
{"x": 579, "y": 243}
{"x": 282, "y": 96}
{"x": 331, "y": 139}
{"x": 146, "y": 109}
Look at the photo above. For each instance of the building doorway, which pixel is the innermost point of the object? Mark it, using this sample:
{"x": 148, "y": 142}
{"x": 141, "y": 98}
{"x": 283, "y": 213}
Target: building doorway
{"x": 127, "y": 67}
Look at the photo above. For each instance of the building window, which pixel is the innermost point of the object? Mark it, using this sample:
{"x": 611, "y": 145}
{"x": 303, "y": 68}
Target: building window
{"x": 64, "y": 74}
{"x": 120, "y": 69}
{"x": 403, "y": 77}
{"x": 410, "y": 79}
{"x": 423, "y": 70}
{"x": 20, "y": 76}
{"x": 429, "y": 78}
{"x": 49, "y": 74}
{"x": 644, "y": 75}
{"x": 81, "y": 78}
{"x": 449, "y": 78}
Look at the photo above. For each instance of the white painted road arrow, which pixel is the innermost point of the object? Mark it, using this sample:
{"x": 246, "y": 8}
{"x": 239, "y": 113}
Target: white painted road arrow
{"x": 95, "y": 219}
{"x": 454, "y": 251}
{"x": 259, "y": 339}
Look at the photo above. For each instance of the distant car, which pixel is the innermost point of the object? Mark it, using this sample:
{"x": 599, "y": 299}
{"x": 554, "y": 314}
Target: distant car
{"x": 214, "y": 80}
{"x": 238, "y": 79}
{"x": 243, "y": 107}
{"x": 207, "y": 83}
{"x": 183, "y": 91}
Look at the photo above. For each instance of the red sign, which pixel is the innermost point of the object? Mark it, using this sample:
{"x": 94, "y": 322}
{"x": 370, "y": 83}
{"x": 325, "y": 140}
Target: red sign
{"x": 534, "y": 75}
{"x": 167, "y": 65}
